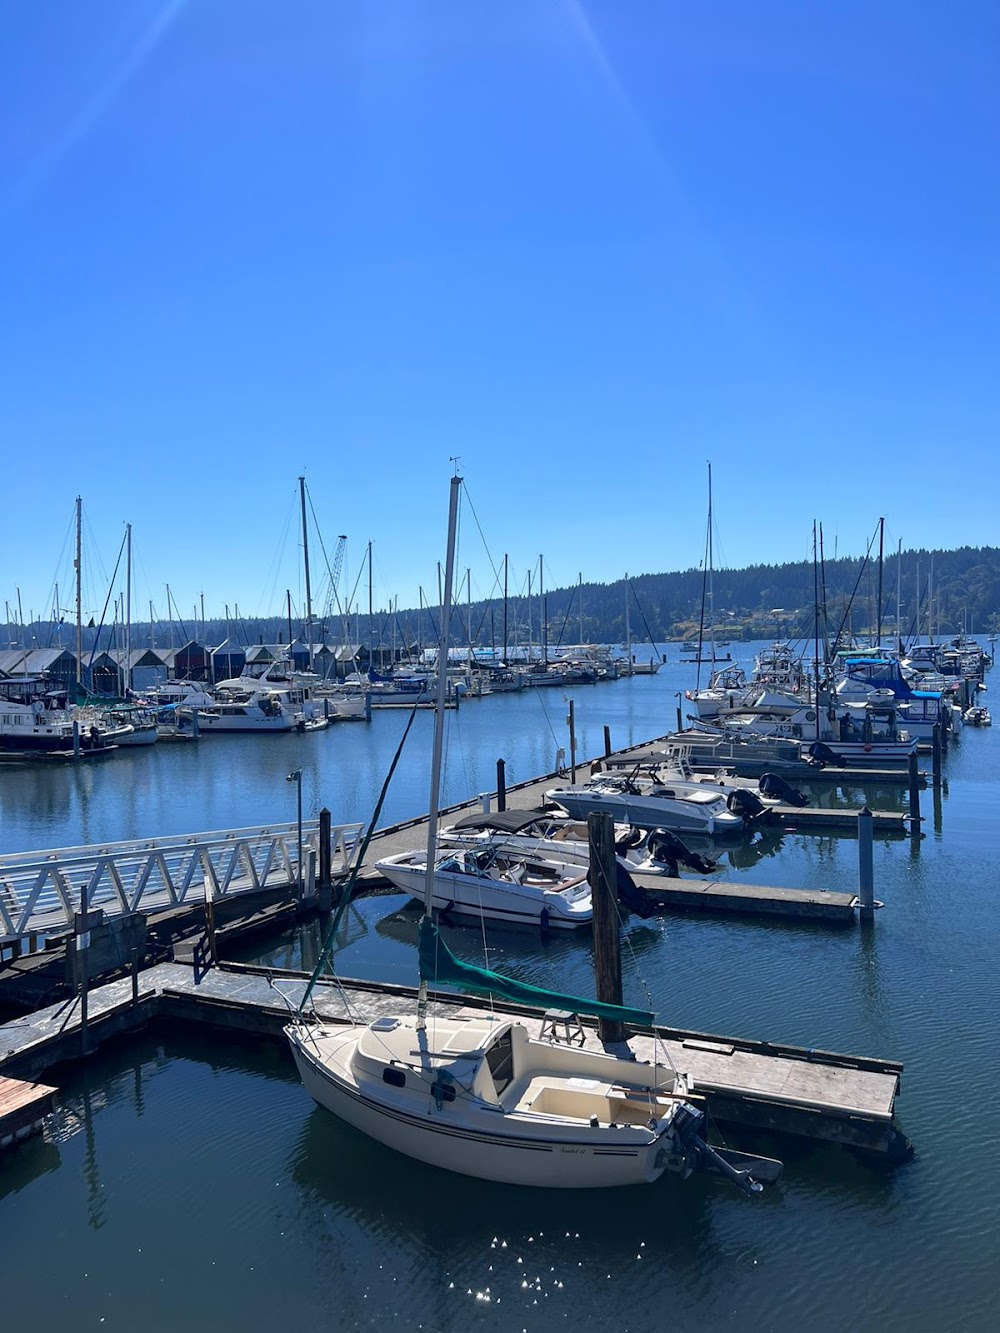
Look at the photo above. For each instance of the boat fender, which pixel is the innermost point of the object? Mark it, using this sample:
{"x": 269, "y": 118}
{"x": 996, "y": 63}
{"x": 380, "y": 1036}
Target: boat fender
{"x": 867, "y": 749}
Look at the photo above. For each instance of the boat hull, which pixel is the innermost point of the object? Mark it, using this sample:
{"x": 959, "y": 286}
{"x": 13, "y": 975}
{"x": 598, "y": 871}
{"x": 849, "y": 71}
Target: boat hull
{"x": 466, "y": 895}
{"x": 482, "y": 1142}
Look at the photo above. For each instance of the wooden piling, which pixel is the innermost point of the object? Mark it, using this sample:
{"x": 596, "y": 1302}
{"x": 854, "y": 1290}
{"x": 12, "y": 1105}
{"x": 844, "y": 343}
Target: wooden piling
{"x": 866, "y": 873}
{"x": 607, "y": 741}
{"x": 936, "y": 754}
{"x": 914, "y": 780}
{"x": 501, "y": 785}
{"x": 571, "y": 720}
{"x": 607, "y": 953}
{"x": 325, "y": 851}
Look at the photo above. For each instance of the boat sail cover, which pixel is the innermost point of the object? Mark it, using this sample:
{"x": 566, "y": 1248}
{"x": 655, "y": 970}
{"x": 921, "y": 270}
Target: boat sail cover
{"x": 439, "y": 964}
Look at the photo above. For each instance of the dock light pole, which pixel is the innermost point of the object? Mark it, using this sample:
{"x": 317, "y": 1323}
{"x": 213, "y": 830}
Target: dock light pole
{"x": 296, "y": 777}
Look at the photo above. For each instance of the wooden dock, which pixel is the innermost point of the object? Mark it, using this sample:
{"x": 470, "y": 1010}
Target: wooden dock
{"x": 820, "y": 819}
{"x": 23, "y": 1108}
{"x": 717, "y": 895}
{"x": 815, "y": 1094}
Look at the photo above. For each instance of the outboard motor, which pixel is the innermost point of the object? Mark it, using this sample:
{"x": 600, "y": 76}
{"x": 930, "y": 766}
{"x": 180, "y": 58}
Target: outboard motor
{"x": 643, "y": 902}
{"x": 745, "y": 803}
{"x": 665, "y": 846}
{"x": 772, "y": 784}
{"x": 820, "y": 755}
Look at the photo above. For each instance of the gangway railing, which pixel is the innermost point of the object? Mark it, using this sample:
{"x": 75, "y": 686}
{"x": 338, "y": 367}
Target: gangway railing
{"x": 41, "y": 891}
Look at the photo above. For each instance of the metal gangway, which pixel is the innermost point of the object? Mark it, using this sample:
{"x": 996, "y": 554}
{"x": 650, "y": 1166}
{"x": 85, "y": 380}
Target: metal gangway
{"x": 40, "y": 892}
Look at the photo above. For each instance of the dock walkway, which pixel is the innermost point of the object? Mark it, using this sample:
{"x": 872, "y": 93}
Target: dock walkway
{"x": 820, "y": 1095}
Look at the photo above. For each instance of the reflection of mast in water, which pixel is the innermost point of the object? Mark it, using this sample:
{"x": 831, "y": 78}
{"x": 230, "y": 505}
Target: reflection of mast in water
{"x": 96, "y": 1199}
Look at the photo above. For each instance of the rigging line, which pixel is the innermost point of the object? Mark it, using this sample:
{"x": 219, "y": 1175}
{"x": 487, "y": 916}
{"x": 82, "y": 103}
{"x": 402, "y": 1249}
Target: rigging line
{"x": 857, "y": 584}
{"x": 326, "y": 558}
{"x": 111, "y": 585}
{"x": 649, "y": 632}
{"x": 348, "y": 891}
{"x": 489, "y": 554}
{"x": 267, "y": 597}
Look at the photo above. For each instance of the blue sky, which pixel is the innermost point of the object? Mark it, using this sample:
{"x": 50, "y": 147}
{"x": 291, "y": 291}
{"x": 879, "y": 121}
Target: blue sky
{"x": 583, "y": 245}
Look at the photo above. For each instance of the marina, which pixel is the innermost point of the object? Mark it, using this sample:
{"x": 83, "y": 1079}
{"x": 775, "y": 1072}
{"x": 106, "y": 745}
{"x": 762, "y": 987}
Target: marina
{"x": 195, "y": 1006}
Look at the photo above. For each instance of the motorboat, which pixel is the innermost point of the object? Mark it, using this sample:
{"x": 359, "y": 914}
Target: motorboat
{"x": 977, "y": 716}
{"x": 508, "y": 885}
{"x": 263, "y": 712}
{"x": 682, "y": 807}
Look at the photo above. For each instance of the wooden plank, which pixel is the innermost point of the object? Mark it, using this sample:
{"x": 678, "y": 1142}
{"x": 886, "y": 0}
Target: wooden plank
{"x": 23, "y": 1106}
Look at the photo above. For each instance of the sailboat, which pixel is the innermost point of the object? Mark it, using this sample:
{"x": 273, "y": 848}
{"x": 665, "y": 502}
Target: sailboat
{"x": 477, "y": 1093}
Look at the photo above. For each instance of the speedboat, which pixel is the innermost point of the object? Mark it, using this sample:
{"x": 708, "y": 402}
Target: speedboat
{"x": 977, "y": 716}
{"x": 516, "y": 887}
{"x": 682, "y": 807}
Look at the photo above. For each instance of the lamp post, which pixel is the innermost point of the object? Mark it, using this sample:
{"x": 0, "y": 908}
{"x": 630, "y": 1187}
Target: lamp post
{"x": 296, "y": 777}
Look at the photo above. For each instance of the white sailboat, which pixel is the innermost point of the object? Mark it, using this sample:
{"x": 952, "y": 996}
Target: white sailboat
{"x": 479, "y": 1094}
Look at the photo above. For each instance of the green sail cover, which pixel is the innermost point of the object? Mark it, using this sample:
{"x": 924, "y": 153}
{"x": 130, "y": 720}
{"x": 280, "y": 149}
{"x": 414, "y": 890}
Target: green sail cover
{"x": 439, "y": 964}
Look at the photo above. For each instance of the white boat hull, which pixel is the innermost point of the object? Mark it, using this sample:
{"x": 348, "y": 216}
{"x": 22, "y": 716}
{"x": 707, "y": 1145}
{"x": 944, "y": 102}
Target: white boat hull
{"x": 472, "y": 1139}
{"x": 497, "y": 900}
{"x": 647, "y": 812}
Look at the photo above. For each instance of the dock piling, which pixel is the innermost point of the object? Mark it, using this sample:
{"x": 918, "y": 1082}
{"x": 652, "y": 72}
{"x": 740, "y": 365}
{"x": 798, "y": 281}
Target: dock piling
{"x": 324, "y": 848}
{"x": 607, "y": 741}
{"x": 571, "y": 723}
{"x": 936, "y": 754}
{"x": 76, "y": 739}
{"x": 866, "y": 873}
{"x": 501, "y": 785}
{"x": 607, "y": 953}
{"x": 195, "y": 723}
{"x": 914, "y": 781}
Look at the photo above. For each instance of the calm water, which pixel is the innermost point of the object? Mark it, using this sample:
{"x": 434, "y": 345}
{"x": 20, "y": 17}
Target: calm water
{"x": 194, "y": 1182}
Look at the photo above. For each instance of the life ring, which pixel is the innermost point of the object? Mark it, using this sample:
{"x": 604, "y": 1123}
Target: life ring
{"x": 868, "y": 749}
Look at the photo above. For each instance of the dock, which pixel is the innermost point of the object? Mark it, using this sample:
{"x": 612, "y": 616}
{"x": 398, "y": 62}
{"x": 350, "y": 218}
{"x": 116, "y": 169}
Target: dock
{"x": 717, "y": 895}
{"x": 814, "y": 1094}
{"x": 23, "y": 1108}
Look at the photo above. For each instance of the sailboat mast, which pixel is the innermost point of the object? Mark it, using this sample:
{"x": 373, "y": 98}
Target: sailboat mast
{"x": 628, "y": 626}
{"x": 128, "y": 609}
{"x": 77, "y": 565}
{"x": 878, "y": 609}
{"x": 505, "y": 610}
{"x": 305, "y": 560}
{"x": 711, "y": 574}
{"x": 544, "y": 615}
{"x": 439, "y": 714}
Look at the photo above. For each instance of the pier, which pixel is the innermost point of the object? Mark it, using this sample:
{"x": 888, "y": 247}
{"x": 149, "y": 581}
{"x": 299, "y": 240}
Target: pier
{"x": 819, "y": 1095}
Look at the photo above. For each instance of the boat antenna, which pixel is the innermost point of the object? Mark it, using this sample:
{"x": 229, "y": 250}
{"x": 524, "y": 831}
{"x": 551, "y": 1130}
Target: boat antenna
{"x": 439, "y": 714}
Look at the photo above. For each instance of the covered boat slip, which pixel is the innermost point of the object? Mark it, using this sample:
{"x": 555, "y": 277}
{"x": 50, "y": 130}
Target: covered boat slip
{"x": 816, "y": 1094}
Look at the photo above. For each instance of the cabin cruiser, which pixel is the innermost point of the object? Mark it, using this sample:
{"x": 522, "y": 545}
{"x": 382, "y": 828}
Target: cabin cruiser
{"x": 34, "y": 716}
{"x": 262, "y": 711}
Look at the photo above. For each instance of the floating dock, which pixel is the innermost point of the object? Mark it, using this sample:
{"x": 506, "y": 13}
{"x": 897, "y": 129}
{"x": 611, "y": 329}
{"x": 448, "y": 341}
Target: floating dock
{"x": 716, "y": 895}
{"x": 818, "y": 1095}
{"x": 23, "y": 1108}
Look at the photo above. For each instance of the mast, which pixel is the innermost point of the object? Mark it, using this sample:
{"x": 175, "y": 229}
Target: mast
{"x": 628, "y": 627}
{"x": 543, "y": 613}
{"x": 79, "y": 592}
{"x": 579, "y": 593}
{"x": 305, "y": 560}
{"x": 816, "y": 628}
{"x": 288, "y": 605}
{"x": 371, "y": 633}
{"x": 128, "y": 609}
{"x": 438, "y": 745}
{"x": 711, "y": 573}
{"x": 899, "y": 596}
{"x": 878, "y": 609}
{"x": 505, "y": 610}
